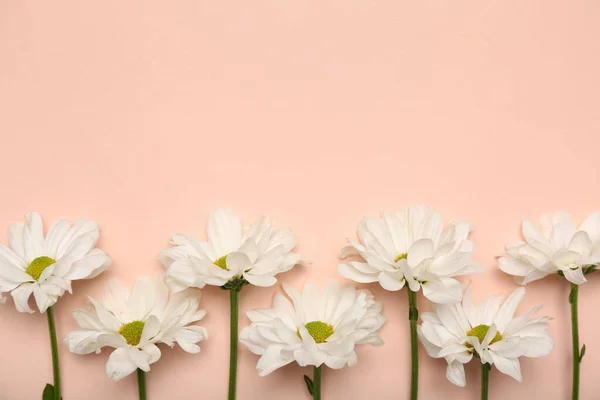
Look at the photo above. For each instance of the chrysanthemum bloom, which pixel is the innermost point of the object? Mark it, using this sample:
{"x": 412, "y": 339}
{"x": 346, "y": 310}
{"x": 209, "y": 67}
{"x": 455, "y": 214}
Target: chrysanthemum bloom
{"x": 46, "y": 266}
{"x": 135, "y": 322}
{"x": 233, "y": 257}
{"x": 411, "y": 247}
{"x": 559, "y": 247}
{"x": 488, "y": 331}
{"x": 317, "y": 327}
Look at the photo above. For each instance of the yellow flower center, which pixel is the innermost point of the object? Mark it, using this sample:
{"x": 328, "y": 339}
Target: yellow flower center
{"x": 481, "y": 330}
{"x": 221, "y": 262}
{"x": 132, "y": 332}
{"x": 37, "y": 266}
{"x": 402, "y": 256}
{"x": 319, "y": 331}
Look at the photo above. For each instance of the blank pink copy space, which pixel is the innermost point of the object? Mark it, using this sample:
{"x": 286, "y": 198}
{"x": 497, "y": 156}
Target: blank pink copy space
{"x": 145, "y": 115}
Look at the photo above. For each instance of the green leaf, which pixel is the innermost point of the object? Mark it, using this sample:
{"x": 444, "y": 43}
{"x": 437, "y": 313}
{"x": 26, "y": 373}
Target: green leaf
{"x": 309, "y": 384}
{"x": 582, "y": 353}
{"x": 48, "y": 393}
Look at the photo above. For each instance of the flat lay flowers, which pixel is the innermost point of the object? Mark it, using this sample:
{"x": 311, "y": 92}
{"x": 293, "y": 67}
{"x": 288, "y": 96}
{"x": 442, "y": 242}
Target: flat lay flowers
{"x": 318, "y": 327}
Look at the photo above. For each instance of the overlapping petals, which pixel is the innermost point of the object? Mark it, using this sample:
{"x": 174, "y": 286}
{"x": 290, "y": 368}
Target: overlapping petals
{"x": 489, "y": 330}
{"x": 555, "y": 246}
{"x": 135, "y": 322}
{"x": 254, "y": 254}
{"x": 65, "y": 254}
{"x": 411, "y": 247}
{"x": 317, "y": 327}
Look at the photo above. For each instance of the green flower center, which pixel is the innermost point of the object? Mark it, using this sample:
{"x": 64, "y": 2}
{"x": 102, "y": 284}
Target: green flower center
{"x": 319, "y": 331}
{"x": 132, "y": 332}
{"x": 37, "y": 266}
{"x": 402, "y": 256}
{"x": 481, "y": 330}
{"x": 221, "y": 262}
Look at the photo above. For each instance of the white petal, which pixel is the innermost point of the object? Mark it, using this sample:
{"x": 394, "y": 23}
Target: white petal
{"x": 224, "y": 231}
{"x": 350, "y": 270}
{"x": 575, "y": 276}
{"x": 260, "y": 280}
{"x": 591, "y": 225}
{"x": 443, "y": 291}
{"x": 506, "y": 312}
{"x": 456, "y": 373}
{"x": 508, "y": 366}
{"x": 33, "y": 236}
{"x": 21, "y": 297}
{"x": 119, "y": 364}
{"x": 390, "y": 283}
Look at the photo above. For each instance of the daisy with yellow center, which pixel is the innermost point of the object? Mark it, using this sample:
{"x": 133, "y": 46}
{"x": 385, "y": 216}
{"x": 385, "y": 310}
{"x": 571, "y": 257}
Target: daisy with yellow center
{"x": 234, "y": 256}
{"x": 318, "y": 326}
{"x": 135, "y": 322}
{"x": 488, "y": 331}
{"x": 44, "y": 265}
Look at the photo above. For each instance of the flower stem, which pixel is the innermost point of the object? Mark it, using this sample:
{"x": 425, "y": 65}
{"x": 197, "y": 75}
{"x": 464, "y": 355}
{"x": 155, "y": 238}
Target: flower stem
{"x": 575, "y": 335}
{"x": 485, "y": 377}
{"x": 141, "y": 375}
{"x": 317, "y": 383}
{"x": 233, "y": 339}
{"x": 413, "y": 315}
{"x": 54, "y": 346}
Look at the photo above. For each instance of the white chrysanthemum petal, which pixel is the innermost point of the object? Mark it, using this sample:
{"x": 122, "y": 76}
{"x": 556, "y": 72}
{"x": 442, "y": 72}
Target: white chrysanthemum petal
{"x": 318, "y": 326}
{"x": 508, "y": 308}
{"x": 21, "y": 297}
{"x": 489, "y": 329}
{"x": 412, "y": 247}
{"x": 455, "y": 373}
{"x": 45, "y": 267}
{"x": 120, "y": 364}
{"x": 224, "y": 231}
{"x": 233, "y": 255}
{"x": 558, "y": 247}
{"x": 135, "y": 322}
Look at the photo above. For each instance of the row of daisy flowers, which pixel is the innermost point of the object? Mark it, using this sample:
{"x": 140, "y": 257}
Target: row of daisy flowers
{"x": 409, "y": 249}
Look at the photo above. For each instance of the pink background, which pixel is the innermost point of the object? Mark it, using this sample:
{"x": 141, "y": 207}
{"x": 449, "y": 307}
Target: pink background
{"x": 145, "y": 115}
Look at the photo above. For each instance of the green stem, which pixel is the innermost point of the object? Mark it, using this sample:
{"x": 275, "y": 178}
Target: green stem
{"x": 141, "y": 375}
{"x": 485, "y": 377}
{"x": 54, "y": 346}
{"x": 233, "y": 339}
{"x": 317, "y": 383}
{"x": 575, "y": 335}
{"x": 413, "y": 315}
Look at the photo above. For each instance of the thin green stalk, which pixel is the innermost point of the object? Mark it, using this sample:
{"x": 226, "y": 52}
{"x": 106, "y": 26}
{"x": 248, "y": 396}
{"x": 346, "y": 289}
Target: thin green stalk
{"x": 413, "y": 315}
{"x": 54, "y": 346}
{"x": 233, "y": 339}
{"x": 141, "y": 376}
{"x": 575, "y": 335}
{"x": 317, "y": 383}
{"x": 485, "y": 377}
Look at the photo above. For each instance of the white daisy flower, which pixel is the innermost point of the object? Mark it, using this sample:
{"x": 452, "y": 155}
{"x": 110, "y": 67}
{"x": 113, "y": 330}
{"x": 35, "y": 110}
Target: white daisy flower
{"x": 233, "y": 256}
{"x": 317, "y": 327}
{"x": 411, "y": 246}
{"x": 558, "y": 247}
{"x": 489, "y": 331}
{"x": 135, "y": 322}
{"x": 46, "y": 266}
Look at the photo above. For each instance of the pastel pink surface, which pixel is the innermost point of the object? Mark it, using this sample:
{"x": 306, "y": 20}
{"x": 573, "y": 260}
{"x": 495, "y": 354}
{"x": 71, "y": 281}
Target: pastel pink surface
{"x": 146, "y": 115}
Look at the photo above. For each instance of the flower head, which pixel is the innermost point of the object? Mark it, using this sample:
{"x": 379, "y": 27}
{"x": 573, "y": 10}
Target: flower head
{"x": 233, "y": 255}
{"x": 558, "y": 247}
{"x": 317, "y": 327}
{"x": 412, "y": 247}
{"x": 135, "y": 322}
{"x": 45, "y": 266}
{"x": 489, "y": 331}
